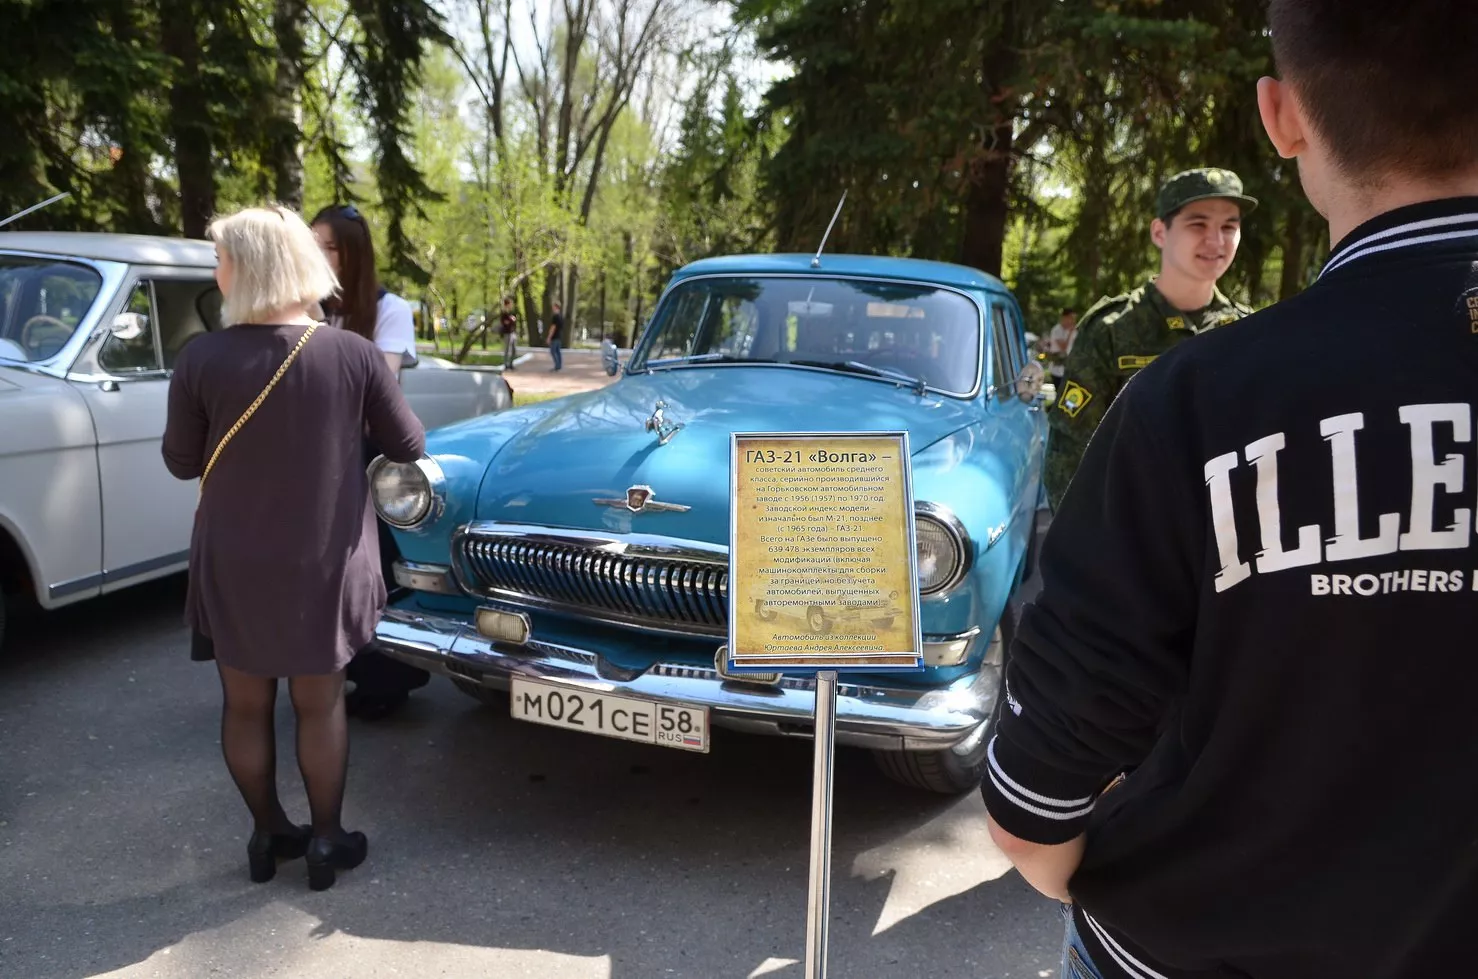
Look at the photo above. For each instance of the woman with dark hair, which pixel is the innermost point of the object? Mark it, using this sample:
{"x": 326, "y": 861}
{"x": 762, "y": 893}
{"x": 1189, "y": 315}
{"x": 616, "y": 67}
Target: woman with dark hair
{"x": 361, "y": 305}
{"x": 270, "y": 415}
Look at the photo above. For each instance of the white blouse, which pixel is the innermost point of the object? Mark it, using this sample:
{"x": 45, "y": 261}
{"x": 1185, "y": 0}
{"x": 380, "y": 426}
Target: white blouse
{"x": 395, "y": 328}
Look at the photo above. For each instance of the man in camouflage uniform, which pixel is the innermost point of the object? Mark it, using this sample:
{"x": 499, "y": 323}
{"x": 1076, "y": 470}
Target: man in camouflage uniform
{"x": 1197, "y": 228}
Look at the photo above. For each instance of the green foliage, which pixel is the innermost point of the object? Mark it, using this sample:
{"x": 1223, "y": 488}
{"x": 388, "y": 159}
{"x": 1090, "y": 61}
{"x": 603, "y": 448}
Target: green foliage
{"x": 1021, "y": 136}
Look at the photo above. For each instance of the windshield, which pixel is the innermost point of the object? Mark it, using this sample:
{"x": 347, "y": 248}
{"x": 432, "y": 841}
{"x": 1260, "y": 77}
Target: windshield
{"x": 907, "y": 331}
{"x": 41, "y": 303}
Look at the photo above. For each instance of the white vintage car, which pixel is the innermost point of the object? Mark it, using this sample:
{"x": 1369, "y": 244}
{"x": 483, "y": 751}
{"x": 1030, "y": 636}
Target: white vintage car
{"x": 90, "y": 327}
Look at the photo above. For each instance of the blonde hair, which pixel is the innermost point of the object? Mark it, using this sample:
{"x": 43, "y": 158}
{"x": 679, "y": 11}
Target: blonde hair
{"x": 275, "y": 262}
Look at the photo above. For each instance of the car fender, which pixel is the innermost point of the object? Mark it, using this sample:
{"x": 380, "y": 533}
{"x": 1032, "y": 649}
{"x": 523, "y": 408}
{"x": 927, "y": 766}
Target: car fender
{"x": 50, "y": 500}
{"x": 977, "y": 479}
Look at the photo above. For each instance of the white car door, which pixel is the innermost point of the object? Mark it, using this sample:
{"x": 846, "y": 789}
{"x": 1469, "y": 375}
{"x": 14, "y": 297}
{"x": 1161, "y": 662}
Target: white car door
{"x": 147, "y": 513}
{"x": 440, "y": 392}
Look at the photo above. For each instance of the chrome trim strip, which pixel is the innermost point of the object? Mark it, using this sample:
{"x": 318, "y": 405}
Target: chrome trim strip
{"x": 953, "y": 526}
{"x": 868, "y": 715}
{"x": 107, "y": 577}
{"x": 639, "y": 347}
{"x": 64, "y": 588}
{"x": 144, "y": 567}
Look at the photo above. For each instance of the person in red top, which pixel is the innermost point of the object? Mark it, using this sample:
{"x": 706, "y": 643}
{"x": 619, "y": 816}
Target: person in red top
{"x": 508, "y": 327}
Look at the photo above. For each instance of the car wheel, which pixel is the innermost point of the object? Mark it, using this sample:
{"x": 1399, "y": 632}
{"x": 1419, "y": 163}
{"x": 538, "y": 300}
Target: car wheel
{"x": 954, "y": 771}
{"x": 762, "y": 610}
{"x": 486, "y": 696}
{"x": 816, "y": 620}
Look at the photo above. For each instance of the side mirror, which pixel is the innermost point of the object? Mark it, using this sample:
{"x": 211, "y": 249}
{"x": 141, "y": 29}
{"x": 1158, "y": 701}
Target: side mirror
{"x": 610, "y": 359}
{"x": 130, "y": 326}
{"x": 1029, "y": 381}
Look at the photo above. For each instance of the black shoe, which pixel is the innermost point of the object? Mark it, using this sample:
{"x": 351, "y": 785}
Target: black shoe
{"x": 326, "y": 857}
{"x": 264, "y": 850}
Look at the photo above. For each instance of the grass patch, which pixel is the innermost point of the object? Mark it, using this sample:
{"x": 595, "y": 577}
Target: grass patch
{"x": 521, "y": 398}
{"x": 476, "y": 357}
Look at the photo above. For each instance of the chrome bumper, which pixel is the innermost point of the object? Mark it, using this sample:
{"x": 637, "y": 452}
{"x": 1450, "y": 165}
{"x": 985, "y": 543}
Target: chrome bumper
{"x": 868, "y": 716}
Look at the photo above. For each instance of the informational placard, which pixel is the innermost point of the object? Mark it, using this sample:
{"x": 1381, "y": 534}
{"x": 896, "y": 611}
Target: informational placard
{"x": 822, "y": 560}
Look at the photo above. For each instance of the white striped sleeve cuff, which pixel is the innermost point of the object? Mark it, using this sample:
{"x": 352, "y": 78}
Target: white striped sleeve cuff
{"x": 1032, "y": 801}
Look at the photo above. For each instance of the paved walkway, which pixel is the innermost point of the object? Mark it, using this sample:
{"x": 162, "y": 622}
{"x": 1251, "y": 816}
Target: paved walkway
{"x": 582, "y": 372}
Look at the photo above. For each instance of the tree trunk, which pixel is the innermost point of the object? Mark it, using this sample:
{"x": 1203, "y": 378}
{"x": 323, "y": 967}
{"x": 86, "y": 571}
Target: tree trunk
{"x": 189, "y": 116}
{"x": 570, "y": 302}
{"x": 986, "y": 210}
{"x": 989, "y": 174}
{"x": 1291, "y": 281}
{"x": 285, "y": 135}
{"x": 530, "y": 309}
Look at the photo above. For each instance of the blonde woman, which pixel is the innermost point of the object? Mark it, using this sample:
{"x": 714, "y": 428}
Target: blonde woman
{"x": 284, "y": 564}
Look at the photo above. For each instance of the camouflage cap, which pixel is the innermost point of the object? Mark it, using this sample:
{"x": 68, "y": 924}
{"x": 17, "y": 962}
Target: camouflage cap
{"x": 1199, "y": 185}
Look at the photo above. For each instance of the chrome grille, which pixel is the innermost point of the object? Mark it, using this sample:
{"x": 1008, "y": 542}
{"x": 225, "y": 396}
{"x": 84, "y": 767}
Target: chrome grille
{"x": 655, "y": 583}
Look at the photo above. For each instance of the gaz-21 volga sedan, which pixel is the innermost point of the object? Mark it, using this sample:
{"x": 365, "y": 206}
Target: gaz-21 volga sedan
{"x": 575, "y": 551}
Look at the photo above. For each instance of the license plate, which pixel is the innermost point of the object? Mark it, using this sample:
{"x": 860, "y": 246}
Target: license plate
{"x": 666, "y": 725}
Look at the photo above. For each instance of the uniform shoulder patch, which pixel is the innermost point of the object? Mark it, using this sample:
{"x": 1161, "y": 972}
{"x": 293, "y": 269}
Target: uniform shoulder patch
{"x": 1131, "y": 362}
{"x": 1074, "y": 398}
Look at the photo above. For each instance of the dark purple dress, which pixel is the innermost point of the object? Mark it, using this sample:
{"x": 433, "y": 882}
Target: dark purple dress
{"x": 285, "y": 573}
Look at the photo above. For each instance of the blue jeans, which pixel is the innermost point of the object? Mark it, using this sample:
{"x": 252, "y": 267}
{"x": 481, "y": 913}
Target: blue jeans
{"x": 554, "y": 351}
{"x": 1075, "y": 961}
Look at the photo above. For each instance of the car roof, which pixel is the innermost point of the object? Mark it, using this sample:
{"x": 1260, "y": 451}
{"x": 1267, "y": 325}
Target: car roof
{"x": 871, "y": 266}
{"x": 136, "y": 249}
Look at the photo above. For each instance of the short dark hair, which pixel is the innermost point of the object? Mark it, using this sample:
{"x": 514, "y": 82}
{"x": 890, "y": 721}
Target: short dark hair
{"x": 1379, "y": 82}
{"x": 1069, "y": 311}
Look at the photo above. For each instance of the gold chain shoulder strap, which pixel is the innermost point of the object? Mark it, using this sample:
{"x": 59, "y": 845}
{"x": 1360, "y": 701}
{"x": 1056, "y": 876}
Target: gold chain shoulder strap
{"x": 251, "y": 409}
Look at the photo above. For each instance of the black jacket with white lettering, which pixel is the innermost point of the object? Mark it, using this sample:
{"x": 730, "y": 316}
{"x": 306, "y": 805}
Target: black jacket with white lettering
{"x": 1260, "y": 600}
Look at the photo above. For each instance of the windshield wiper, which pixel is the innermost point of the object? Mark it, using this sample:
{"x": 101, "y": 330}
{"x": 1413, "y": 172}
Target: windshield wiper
{"x": 858, "y": 367}
{"x": 705, "y": 359}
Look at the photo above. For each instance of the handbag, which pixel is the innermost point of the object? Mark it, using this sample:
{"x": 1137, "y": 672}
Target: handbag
{"x": 202, "y": 647}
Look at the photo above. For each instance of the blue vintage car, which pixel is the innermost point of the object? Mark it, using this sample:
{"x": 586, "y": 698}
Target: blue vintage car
{"x": 575, "y": 551}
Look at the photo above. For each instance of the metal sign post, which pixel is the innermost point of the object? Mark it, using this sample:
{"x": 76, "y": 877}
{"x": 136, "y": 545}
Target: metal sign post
{"x": 818, "y": 907}
{"x": 823, "y": 577}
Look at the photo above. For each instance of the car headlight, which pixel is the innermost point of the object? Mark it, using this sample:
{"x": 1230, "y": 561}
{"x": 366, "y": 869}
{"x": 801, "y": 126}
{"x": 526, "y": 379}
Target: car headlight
{"x": 943, "y": 548}
{"x": 405, "y": 494}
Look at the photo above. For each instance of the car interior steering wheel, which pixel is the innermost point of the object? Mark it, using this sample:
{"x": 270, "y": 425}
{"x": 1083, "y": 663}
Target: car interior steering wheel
{"x": 40, "y": 320}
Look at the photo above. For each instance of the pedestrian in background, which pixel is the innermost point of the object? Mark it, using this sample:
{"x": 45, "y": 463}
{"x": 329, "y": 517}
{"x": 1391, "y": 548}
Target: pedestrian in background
{"x": 381, "y": 685}
{"x": 1197, "y": 227}
{"x": 270, "y": 414}
{"x": 1059, "y": 343}
{"x": 556, "y": 331}
{"x": 508, "y": 326}
{"x": 1257, "y": 607}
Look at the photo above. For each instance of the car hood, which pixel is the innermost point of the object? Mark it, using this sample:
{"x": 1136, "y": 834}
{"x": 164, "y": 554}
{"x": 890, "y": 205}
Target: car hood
{"x": 595, "y": 446}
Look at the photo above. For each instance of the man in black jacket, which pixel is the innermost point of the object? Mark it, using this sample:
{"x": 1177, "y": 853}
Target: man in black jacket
{"x": 1259, "y": 596}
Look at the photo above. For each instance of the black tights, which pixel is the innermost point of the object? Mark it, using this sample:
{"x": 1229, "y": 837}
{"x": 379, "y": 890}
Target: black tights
{"x": 249, "y": 742}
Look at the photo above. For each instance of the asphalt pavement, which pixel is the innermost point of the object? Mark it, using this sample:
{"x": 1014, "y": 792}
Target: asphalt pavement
{"x": 497, "y": 848}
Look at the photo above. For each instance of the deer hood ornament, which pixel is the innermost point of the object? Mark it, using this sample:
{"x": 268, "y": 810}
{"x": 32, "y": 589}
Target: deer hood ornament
{"x": 658, "y": 423}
